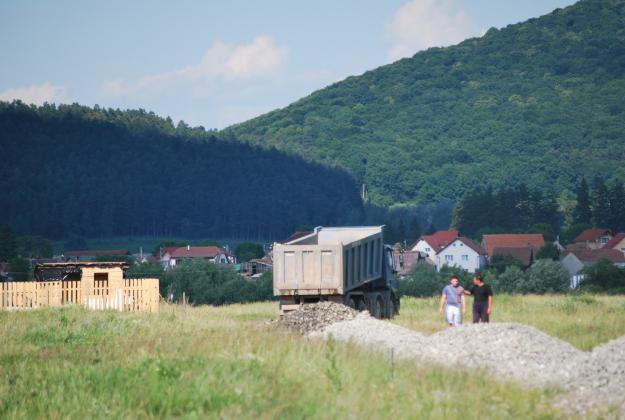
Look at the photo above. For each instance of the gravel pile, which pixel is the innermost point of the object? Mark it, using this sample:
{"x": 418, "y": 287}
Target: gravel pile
{"x": 600, "y": 379}
{"x": 367, "y": 331}
{"x": 510, "y": 351}
{"x": 316, "y": 316}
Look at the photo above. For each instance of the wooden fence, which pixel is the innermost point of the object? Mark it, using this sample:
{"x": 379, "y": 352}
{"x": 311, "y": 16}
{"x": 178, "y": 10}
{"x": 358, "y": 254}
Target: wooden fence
{"x": 134, "y": 295}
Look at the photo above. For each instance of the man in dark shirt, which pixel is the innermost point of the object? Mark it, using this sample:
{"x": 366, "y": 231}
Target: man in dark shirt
{"x": 482, "y": 299}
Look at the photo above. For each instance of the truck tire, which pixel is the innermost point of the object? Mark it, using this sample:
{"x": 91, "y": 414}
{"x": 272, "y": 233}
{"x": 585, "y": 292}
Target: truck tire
{"x": 352, "y": 303}
{"x": 378, "y": 307}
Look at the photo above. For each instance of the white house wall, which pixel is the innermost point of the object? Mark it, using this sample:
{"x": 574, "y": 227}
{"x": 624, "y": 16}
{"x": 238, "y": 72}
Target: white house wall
{"x": 474, "y": 261}
{"x": 423, "y": 246}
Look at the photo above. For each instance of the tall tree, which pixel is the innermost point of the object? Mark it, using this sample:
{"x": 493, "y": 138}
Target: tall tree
{"x": 617, "y": 206}
{"x": 414, "y": 229}
{"x": 601, "y": 214}
{"x": 8, "y": 243}
{"x": 582, "y": 213}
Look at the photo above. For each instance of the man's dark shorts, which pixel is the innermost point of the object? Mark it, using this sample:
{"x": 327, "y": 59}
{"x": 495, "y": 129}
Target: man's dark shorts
{"x": 480, "y": 312}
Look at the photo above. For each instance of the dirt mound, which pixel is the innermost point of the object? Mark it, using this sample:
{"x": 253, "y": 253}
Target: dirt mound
{"x": 316, "y": 316}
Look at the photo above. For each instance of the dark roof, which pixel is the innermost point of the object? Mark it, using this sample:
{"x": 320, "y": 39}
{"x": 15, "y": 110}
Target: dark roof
{"x": 523, "y": 254}
{"x": 263, "y": 261}
{"x": 83, "y": 264}
{"x": 592, "y": 255}
{"x": 94, "y": 252}
{"x": 615, "y": 240}
{"x": 197, "y": 252}
{"x": 512, "y": 240}
{"x": 592, "y": 234}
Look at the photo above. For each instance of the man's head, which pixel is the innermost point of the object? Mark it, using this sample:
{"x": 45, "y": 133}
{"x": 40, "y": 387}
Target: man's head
{"x": 454, "y": 281}
{"x": 477, "y": 280}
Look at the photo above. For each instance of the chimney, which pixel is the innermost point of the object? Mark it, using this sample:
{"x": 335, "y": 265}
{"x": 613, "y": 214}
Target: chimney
{"x": 188, "y": 247}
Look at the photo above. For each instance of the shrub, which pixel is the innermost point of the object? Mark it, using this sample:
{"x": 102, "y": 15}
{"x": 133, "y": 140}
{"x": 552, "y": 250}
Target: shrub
{"x": 510, "y": 280}
{"x": 604, "y": 276}
{"x": 545, "y": 276}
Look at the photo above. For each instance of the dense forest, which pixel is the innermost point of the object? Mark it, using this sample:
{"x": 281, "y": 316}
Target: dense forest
{"x": 520, "y": 209}
{"x": 539, "y": 103}
{"x": 89, "y": 172}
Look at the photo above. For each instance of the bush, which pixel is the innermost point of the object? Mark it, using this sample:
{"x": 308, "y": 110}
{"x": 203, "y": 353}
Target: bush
{"x": 424, "y": 280}
{"x": 545, "y": 276}
{"x": 604, "y": 276}
{"x": 509, "y": 280}
{"x": 203, "y": 282}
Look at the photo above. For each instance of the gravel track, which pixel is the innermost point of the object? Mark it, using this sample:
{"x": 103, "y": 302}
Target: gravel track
{"x": 519, "y": 352}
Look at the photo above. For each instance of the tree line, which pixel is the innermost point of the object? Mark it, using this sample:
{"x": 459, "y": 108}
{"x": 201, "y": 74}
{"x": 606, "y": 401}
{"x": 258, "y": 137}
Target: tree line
{"x": 520, "y": 209}
{"x": 75, "y": 171}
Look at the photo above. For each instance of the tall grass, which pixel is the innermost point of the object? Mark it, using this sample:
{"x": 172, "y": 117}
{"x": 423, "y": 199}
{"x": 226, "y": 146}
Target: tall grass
{"x": 235, "y": 362}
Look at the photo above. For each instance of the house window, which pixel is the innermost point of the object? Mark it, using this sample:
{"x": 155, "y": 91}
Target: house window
{"x": 427, "y": 249}
{"x": 604, "y": 239}
{"x": 449, "y": 258}
{"x": 465, "y": 257}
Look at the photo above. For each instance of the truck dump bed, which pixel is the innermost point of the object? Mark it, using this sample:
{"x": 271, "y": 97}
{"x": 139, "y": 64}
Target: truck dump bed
{"x": 329, "y": 261}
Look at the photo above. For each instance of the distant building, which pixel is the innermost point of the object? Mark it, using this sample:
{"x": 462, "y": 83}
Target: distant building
{"x": 406, "y": 261}
{"x": 172, "y": 256}
{"x": 432, "y": 244}
{"x": 90, "y": 255}
{"x": 575, "y": 261}
{"x": 594, "y": 238}
{"x": 256, "y": 266}
{"x": 462, "y": 253}
{"x": 617, "y": 242}
{"x": 518, "y": 245}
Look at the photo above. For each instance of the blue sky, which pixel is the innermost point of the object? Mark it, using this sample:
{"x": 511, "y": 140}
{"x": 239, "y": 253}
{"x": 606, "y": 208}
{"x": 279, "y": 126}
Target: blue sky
{"x": 217, "y": 63}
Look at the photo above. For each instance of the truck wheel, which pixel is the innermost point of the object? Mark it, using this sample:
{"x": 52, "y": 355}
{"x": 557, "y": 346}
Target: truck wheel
{"x": 351, "y": 303}
{"x": 378, "y": 308}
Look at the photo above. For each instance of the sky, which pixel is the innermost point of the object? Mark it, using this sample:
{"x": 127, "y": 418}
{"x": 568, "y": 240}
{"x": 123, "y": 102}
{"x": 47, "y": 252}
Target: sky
{"x": 217, "y": 63}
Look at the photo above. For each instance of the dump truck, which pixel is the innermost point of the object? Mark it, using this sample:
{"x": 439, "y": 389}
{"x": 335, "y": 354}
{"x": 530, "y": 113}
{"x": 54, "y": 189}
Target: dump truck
{"x": 349, "y": 265}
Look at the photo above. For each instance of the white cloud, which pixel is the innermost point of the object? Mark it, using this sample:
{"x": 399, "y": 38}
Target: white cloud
{"x": 261, "y": 58}
{"x": 420, "y": 24}
{"x": 35, "y": 94}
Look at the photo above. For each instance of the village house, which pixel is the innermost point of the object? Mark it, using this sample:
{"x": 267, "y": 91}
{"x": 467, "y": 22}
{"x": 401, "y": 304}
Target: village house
{"x": 430, "y": 245}
{"x": 520, "y": 246}
{"x": 594, "y": 238}
{"x": 576, "y": 260}
{"x": 256, "y": 266}
{"x": 407, "y": 260}
{"x": 172, "y": 256}
{"x": 462, "y": 253}
{"x": 617, "y": 242}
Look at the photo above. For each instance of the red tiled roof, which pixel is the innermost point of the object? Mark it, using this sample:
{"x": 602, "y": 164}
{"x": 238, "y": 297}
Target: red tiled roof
{"x": 523, "y": 255}
{"x": 197, "y": 252}
{"x": 168, "y": 249}
{"x": 614, "y": 241}
{"x": 592, "y": 255}
{"x": 94, "y": 252}
{"x": 592, "y": 235}
{"x": 439, "y": 240}
{"x": 512, "y": 240}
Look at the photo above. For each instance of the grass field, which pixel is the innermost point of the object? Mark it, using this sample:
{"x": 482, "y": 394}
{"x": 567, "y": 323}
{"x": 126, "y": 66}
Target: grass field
{"x": 229, "y": 362}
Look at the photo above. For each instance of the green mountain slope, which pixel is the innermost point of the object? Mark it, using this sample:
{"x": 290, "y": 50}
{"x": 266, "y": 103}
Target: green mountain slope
{"x": 540, "y": 102}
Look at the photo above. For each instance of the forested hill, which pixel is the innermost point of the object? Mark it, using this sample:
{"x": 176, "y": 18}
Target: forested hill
{"x": 74, "y": 170}
{"x": 540, "y": 102}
